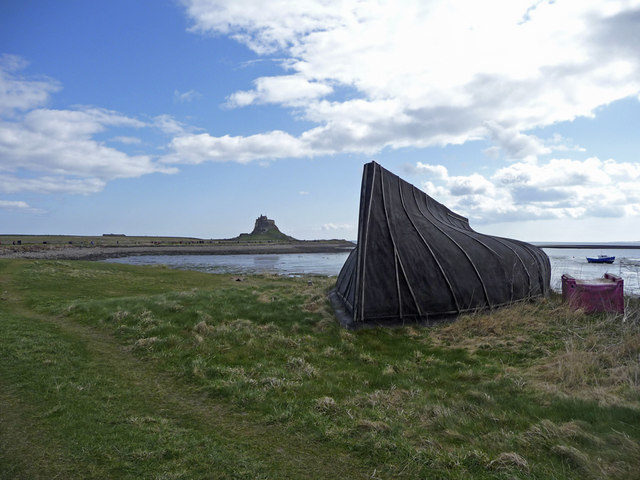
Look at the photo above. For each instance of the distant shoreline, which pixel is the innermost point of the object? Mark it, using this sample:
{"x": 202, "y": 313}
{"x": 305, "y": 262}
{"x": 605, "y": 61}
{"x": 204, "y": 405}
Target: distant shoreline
{"x": 617, "y": 246}
{"x": 103, "y": 252}
{"x": 69, "y": 252}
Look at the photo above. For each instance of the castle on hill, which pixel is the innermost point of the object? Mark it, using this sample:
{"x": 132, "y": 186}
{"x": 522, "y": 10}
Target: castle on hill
{"x": 265, "y": 229}
{"x": 264, "y": 225}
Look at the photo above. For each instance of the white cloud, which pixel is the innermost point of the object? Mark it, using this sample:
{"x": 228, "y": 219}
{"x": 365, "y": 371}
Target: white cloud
{"x": 514, "y": 144}
{"x": 303, "y": 192}
{"x": 169, "y": 125}
{"x": 69, "y": 123}
{"x": 61, "y": 142}
{"x": 278, "y": 21}
{"x": 46, "y": 150}
{"x": 185, "y": 97}
{"x": 18, "y": 205}
{"x": 126, "y": 140}
{"x": 431, "y": 73}
{"x": 529, "y": 190}
{"x": 50, "y": 184}
{"x": 18, "y": 93}
{"x": 198, "y": 148}
{"x": 290, "y": 90}
{"x": 337, "y": 226}
{"x": 435, "y": 171}
{"x": 13, "y": 204}
{"x": 558, "y": 143}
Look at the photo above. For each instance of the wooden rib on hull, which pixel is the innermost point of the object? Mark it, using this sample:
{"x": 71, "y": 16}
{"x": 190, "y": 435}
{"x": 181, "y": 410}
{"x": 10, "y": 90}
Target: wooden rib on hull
{"x": 416, "y": 260}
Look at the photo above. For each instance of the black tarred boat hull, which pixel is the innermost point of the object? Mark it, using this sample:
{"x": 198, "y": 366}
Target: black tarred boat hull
{"x": 416, "y": 260}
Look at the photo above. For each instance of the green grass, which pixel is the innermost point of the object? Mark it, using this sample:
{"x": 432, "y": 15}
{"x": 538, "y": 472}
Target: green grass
{"x": 269, "y": 236}
{"x": 113, "y": 371}
{"x": 85, "y": 240}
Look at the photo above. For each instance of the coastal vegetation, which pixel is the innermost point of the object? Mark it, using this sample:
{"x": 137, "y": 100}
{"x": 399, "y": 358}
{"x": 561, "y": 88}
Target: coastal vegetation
{"x": 115, "y": 371}
{"x": 97, "y": 240}
{"x": 124, "y": 241}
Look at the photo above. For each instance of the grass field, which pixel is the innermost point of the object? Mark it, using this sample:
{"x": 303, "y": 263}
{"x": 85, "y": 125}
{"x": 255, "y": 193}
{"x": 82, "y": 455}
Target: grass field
{"x": 124, "y": 241}
{"x": 114, "y": 371}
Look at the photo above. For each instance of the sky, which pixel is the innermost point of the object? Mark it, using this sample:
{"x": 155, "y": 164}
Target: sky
{"x": 191, "y": 118}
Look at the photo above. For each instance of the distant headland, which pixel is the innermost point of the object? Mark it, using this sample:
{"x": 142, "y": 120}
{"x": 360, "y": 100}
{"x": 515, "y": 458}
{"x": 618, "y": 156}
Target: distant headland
{"x": 266, "y": 237}
{"x": 265, "y": 229}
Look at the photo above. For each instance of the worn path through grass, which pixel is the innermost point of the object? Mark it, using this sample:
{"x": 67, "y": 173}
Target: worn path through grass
{"x": 124, "y": 399}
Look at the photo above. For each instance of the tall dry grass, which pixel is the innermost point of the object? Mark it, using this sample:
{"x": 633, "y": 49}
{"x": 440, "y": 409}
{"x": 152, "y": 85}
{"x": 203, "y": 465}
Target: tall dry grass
{"x": 593, "y": 356}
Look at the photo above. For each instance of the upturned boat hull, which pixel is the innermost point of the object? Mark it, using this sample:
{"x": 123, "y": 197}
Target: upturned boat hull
{"x": 416, "y": 260}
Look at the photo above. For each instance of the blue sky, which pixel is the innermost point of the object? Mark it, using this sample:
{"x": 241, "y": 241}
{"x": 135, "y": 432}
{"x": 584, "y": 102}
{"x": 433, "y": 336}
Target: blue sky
{"x": 194, "y": 117}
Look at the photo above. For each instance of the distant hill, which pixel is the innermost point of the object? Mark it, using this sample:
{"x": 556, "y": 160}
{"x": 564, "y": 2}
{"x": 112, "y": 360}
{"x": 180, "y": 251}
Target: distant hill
{"x": 265, "y": 229}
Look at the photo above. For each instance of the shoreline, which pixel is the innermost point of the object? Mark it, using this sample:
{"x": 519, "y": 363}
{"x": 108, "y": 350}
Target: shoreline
{"x": 103, "y": 253}
{"x": 587, "y": 246}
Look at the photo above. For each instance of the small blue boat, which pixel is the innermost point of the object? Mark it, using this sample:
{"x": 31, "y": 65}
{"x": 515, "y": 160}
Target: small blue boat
{"x": 601, "y": 259}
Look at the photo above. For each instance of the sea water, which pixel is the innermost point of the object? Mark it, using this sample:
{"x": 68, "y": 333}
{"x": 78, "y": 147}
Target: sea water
{"x": 573, "y": 261}
{"x": 563, "y": 260}
{"x": 281, "y": 264}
